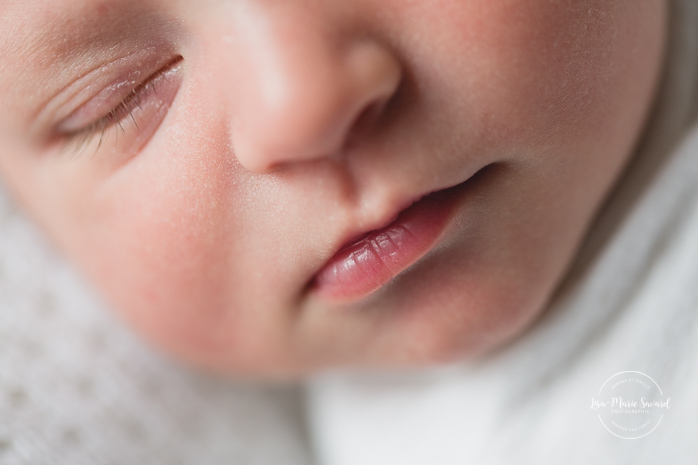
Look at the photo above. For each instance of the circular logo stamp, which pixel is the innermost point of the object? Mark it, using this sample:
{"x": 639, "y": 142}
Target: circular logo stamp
{"x": 630, "y": 404}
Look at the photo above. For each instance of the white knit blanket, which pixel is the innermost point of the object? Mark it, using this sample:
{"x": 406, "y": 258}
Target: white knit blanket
{"x": 77, "y": 388}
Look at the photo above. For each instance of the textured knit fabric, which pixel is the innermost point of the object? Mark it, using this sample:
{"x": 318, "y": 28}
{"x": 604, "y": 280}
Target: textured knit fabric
{"x": 76, "y": 388}
{"x": 629, "y": 303}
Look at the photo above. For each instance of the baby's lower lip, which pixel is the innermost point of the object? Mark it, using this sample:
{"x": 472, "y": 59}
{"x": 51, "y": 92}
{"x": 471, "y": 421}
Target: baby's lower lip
{"x": 375, "y": 259}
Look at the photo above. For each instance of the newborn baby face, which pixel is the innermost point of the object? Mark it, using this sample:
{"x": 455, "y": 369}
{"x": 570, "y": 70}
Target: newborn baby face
{"x": 276, "y": 187}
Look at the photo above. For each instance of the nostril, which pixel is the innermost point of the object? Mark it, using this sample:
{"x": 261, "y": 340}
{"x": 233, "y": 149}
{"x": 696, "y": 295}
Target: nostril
{"x": 371, "y": 118}
{"x": 365, "y": 121}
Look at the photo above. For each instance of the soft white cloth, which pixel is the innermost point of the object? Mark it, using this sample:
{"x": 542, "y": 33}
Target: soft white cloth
{"x": 630, "y": 302}
{"x": 76, "y": 388}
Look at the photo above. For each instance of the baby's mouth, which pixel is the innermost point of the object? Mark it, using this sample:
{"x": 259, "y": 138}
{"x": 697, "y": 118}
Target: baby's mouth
{"x": 366, "y": 264}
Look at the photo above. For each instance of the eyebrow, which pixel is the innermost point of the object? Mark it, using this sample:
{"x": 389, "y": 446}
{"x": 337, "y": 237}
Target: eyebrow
{"x": 45, "y": 45}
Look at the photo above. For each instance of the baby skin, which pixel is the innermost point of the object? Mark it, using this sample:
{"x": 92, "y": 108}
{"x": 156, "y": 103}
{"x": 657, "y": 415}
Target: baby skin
{"x": 272, "y": 188}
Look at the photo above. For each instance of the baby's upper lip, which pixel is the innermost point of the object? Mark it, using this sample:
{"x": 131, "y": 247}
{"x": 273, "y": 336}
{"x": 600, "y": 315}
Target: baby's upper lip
{"x": 388, "y": 216}
{"x": 353, "y": 235}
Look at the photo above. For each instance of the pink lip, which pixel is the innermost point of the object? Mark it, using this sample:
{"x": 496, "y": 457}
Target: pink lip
{"x": 377, "y": 257}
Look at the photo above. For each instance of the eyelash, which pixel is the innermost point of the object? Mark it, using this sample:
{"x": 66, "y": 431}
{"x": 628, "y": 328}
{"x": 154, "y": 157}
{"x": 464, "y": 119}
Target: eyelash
{"x": 122, "y": 112}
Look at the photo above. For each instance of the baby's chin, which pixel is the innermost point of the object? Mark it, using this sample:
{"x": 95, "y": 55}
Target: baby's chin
{"x": 405, "y": 337}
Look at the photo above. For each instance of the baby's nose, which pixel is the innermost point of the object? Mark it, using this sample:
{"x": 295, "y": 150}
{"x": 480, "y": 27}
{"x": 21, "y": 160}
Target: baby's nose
{"x": 306, "y": 95}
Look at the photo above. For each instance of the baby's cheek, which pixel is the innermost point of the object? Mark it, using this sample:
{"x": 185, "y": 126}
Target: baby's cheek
{"x": 160, "y": 270}
{"x": 161, "y": 252}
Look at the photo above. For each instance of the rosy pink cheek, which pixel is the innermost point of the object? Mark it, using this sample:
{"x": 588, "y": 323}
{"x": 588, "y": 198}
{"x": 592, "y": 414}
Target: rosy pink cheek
{"x": 163, "y": 259}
